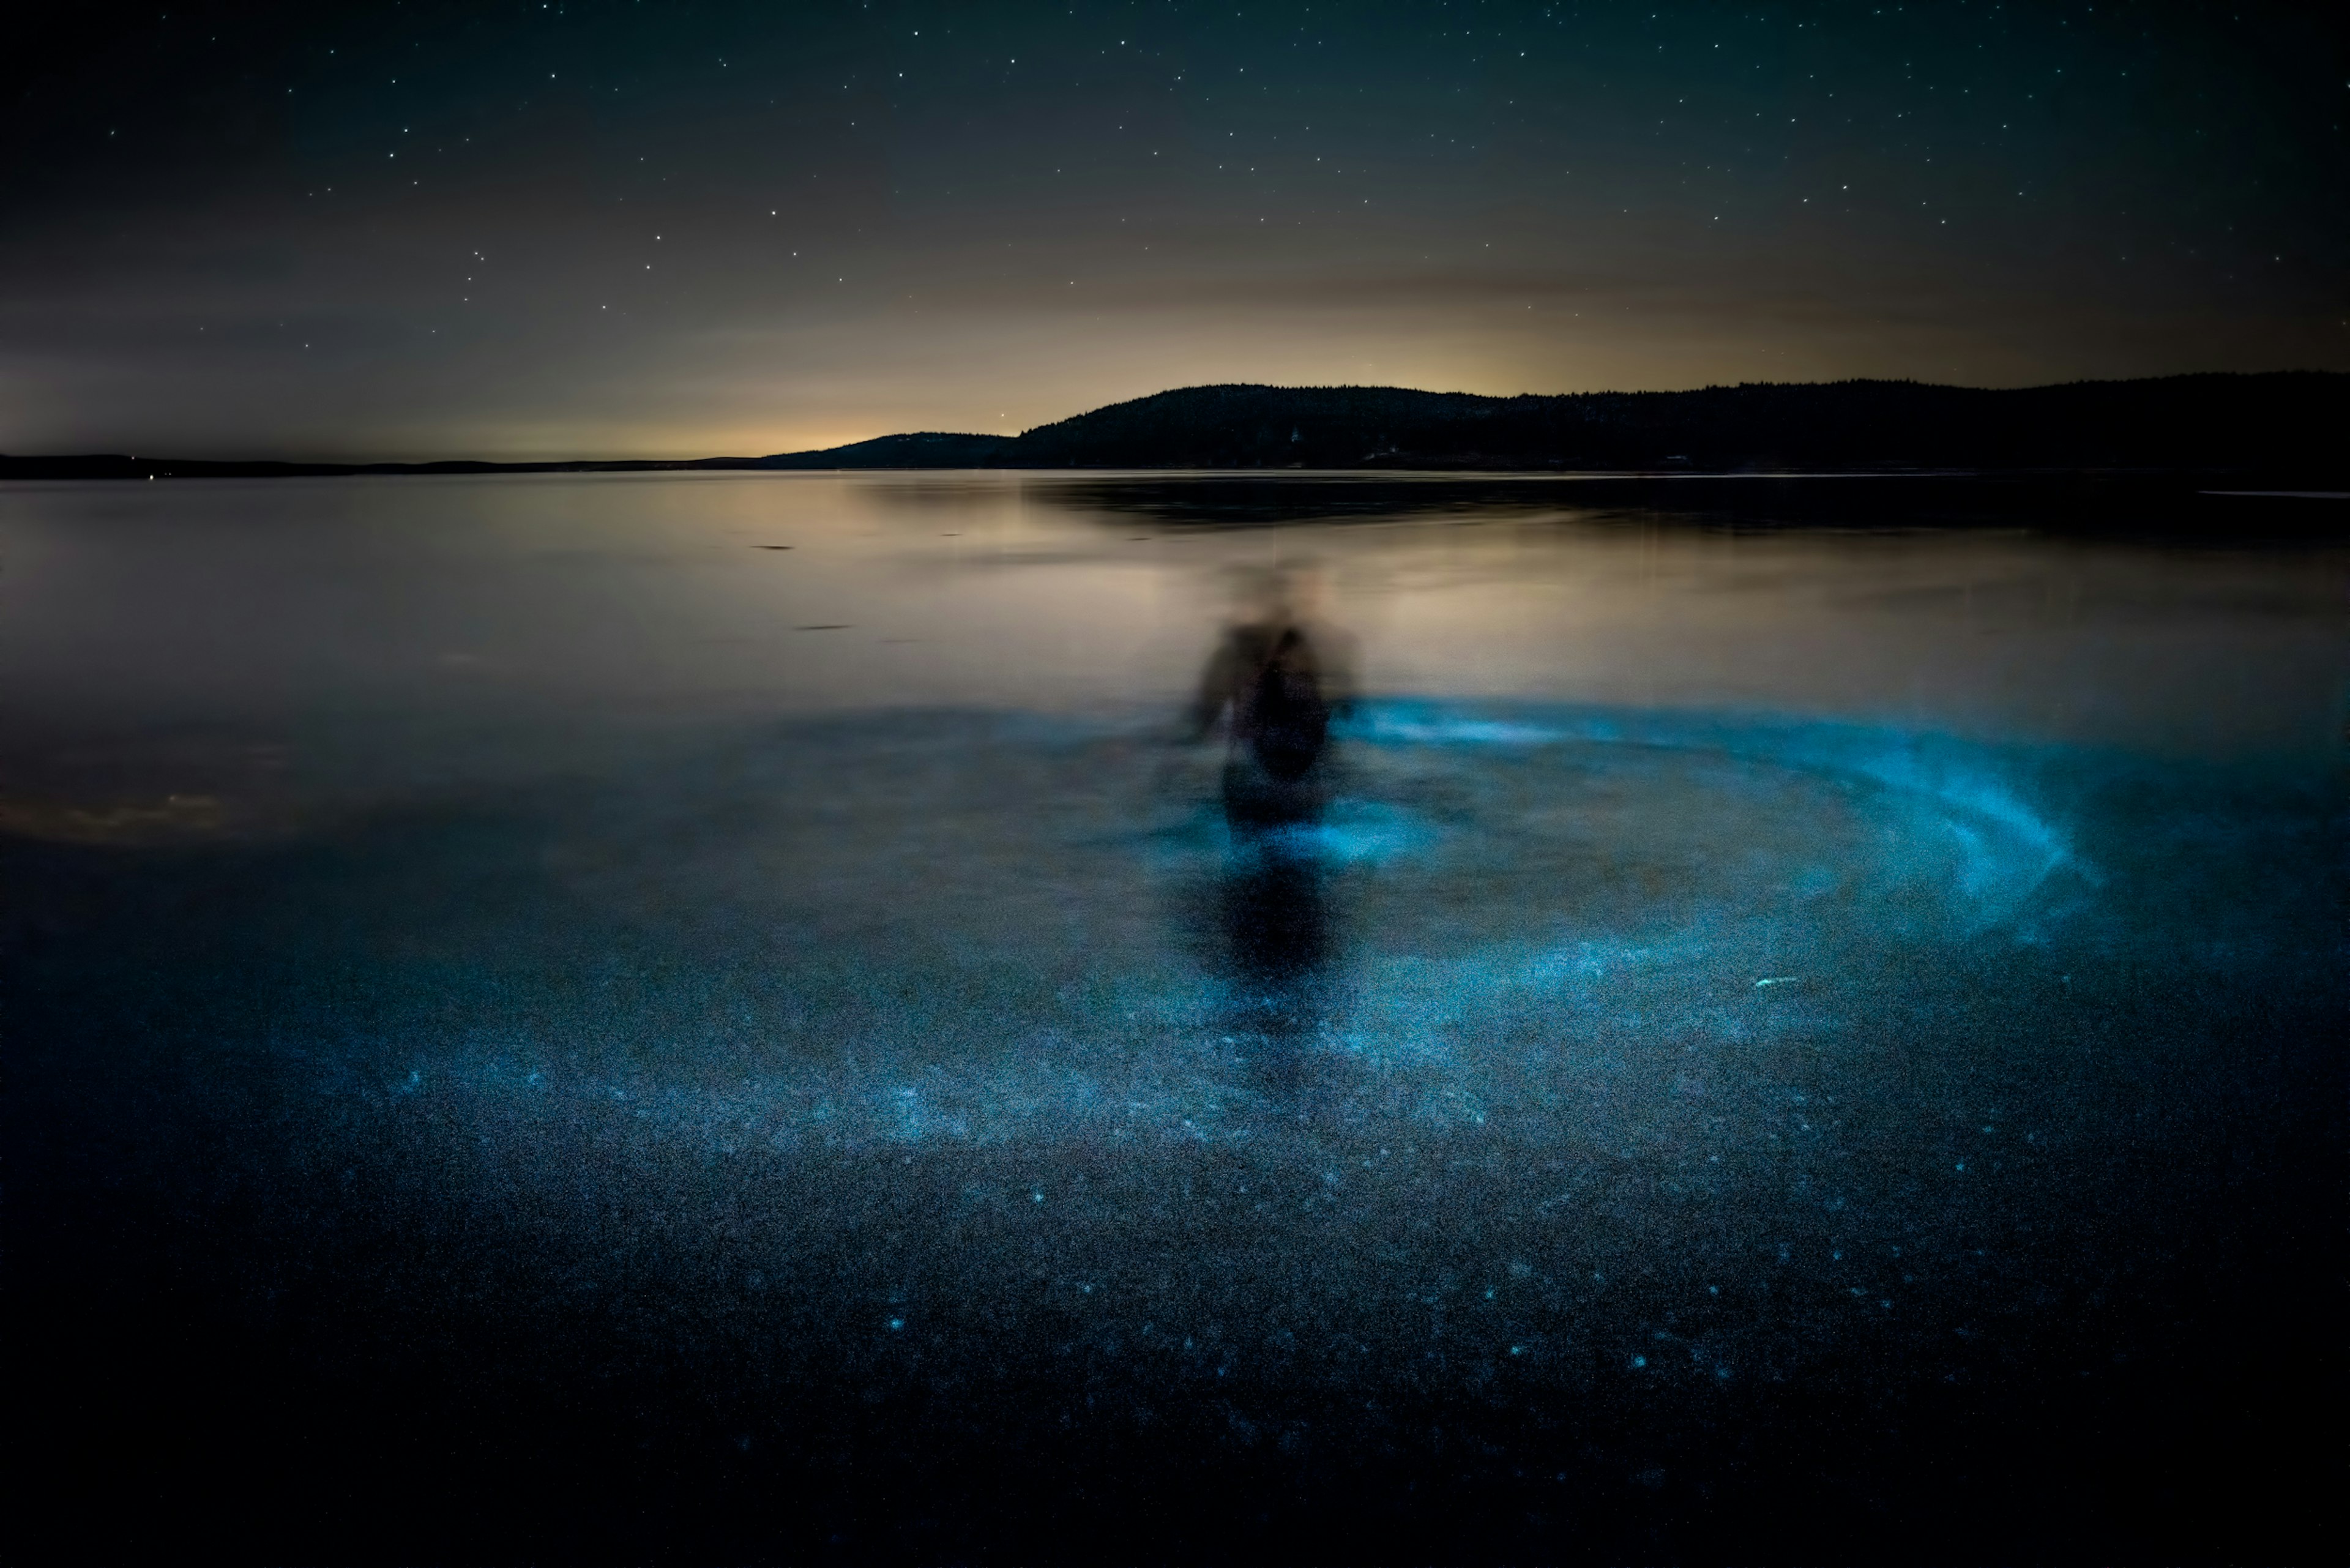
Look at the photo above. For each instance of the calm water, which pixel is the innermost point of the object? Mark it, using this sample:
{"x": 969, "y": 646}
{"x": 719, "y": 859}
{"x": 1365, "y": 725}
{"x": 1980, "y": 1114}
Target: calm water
{"x": 744, "y": 969}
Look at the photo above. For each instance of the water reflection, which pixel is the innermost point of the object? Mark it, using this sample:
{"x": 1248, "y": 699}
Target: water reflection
{"x": 374, "y": 638}
{"x": 1272, "y": 500}
{"x": 2142, "y": 505}
{"x": 1278, "y": 942}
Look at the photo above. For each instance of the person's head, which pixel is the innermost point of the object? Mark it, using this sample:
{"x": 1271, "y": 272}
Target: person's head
{"x": 1290, "y": 590}
{"x": 1302, "y": 587}
{"x": 1259, "y": 595}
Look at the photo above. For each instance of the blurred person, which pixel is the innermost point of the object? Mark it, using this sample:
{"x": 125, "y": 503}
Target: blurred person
{"x": 1278, "y": 676}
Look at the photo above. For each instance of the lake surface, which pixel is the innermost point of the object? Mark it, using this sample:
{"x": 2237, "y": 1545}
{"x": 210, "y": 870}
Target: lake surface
{"x": 726, "y": 1002}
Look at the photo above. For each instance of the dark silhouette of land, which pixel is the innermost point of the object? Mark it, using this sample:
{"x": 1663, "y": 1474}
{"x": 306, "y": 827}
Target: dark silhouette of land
{"x": 2279, "y": 423}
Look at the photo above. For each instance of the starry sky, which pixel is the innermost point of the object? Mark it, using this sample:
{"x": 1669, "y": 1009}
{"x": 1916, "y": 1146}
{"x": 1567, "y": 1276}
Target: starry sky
{"x": 622, "y": 228}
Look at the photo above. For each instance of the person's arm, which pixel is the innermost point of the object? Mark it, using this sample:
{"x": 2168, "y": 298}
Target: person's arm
{"x": 1338, "y": 687}
{"x": 1217, "y": 683}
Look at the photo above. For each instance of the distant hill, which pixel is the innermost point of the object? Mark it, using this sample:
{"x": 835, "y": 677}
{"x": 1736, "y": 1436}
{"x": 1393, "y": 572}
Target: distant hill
{"x": 2293, "y": 421}
{"x": 926, "y": 449}
{"x": 2290, "y": 418}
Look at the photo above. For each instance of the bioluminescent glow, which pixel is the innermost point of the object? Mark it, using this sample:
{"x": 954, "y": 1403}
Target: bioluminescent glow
{"x": 552, "y": 1002}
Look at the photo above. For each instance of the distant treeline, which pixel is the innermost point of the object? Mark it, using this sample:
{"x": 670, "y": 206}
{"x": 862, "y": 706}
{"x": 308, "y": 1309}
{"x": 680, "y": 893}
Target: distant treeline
{"x": 115, "y": 465}
{"x": 2295, "y": 421}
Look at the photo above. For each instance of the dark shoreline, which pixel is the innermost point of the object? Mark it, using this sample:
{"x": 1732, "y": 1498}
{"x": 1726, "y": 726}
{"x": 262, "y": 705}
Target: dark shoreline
{"x": 2281, "y": 429}
{"x": 115, "y": 465}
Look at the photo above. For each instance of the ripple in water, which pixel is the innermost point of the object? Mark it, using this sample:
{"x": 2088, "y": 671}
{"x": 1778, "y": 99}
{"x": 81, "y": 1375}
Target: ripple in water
{"x": 989, "y": 931}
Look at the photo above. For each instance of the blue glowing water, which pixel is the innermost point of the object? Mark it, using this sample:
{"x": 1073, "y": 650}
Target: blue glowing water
{"x": 1614, "y": 1008}
{"x": 1741, "y": 987}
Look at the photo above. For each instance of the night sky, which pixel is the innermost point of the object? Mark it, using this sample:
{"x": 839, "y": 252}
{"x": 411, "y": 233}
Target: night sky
{"x": 632, "y": 228}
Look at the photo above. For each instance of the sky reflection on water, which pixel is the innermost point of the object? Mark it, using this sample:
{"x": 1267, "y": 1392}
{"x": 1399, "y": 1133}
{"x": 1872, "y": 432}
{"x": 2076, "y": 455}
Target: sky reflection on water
{"x": 376, "y": 636}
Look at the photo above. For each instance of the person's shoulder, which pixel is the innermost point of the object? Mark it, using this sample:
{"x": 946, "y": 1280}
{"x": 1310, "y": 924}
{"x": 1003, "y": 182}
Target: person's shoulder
{"x": 1249, "y": 639}
{"x": 1336, "y": 638}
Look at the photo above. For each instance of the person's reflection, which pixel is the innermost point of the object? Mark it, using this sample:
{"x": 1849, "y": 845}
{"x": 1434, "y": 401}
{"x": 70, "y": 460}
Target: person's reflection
{"x": 1277, "y": 934}
{"x": 1276, "y": 678}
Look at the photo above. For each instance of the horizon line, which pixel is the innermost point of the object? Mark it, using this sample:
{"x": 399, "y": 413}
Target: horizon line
{"x": 717, "y": 459}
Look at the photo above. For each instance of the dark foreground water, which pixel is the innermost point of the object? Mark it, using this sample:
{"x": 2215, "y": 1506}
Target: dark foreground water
{"x": 541, "y": 1026}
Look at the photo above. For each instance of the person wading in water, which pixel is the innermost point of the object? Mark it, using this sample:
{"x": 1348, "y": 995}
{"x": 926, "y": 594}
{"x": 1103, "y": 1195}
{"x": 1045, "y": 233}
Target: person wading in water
{"x": 1275, "y": 681}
